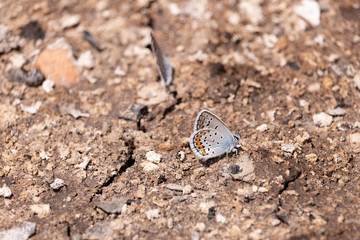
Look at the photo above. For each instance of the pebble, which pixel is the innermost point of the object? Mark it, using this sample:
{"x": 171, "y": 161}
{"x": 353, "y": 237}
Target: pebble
{"x": 174, "y": 9}
{"x": 290, "y": 148}
{"x": 57, "y": 63}
{"x": 302, "y": 139}
{"x": 153, "y": 157}
{"x": 41, "y": 210}
{"x": 134, "y": 112}
{"x": 152, "y": 214}
{"x": 195, "y": 236}
{"x": 31, "y": 109}
{"x": 308, "y": 10}
{"x": 17, "y": 60}
{"x": 119, "y": 71}
{"x": 311, "y": 157}
{"x": 48, "y": 85}
{"x": 115, "y": 205}
{"x": 149, "y": 166}
{"x": 354, "y": 140}
{"x": 252, "y": 11}
{"x": 76, "y": 113}
{"x": 5, "y": 191}
{"x": 245, "y": 171}
{"x": 22, "y": 232}
{"x": 33, "y": 78}
{"x": 84, "y": 163}
{"x": 68, "y": 21}
{"x": 57, "y": 184}
{"x": 204, "y": 206}
{"x": 187, "y": 190}
{"x": 175, "y": 187}
{"x": 275, "y": 222}
{"x": 9, "y": 42}
{"x": 200, "y": 226}
{"x": 181, "y": 155}
{"x": 262, "y": 128}
{"x": 86, "y": 60}
{"x": 322, "y": 119}
{"x": 220, "y": 218}
{"x": 337, "y": 112}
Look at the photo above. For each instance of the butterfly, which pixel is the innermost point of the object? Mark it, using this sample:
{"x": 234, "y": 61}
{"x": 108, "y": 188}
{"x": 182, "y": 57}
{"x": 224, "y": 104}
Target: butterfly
{"x": 165, "y": 68}
{"x": 211, "y": 137}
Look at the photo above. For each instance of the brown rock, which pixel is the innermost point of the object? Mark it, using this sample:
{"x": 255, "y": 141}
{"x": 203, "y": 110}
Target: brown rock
{"x": 58, "y": 66}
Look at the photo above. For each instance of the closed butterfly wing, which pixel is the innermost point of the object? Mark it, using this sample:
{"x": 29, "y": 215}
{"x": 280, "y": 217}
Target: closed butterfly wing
{"x": 209, "y": 143}
{"x": 206, "y": 119}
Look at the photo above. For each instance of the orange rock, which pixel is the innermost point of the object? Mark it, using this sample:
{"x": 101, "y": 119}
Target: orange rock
{"x": 58, "y": 66}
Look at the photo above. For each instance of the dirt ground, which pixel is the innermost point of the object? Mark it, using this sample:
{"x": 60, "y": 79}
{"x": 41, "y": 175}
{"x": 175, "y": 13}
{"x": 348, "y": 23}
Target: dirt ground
{"x": 289, "y": 85}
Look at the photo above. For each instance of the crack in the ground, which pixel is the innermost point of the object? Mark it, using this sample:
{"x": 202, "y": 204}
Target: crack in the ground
{"x": 129, "y": 162}
{"x": 296, "y": 174}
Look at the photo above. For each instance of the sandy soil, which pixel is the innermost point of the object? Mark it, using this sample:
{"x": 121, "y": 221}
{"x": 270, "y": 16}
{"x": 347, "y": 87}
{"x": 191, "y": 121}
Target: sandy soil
{"x": 289, "y": 85}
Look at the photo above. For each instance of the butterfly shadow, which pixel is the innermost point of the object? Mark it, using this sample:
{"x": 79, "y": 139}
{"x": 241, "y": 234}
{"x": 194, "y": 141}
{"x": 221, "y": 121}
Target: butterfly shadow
{"x": 211, "y": 161}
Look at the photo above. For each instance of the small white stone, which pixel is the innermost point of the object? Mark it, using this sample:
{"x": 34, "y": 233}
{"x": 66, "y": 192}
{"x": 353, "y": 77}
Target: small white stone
{"x": 275, "y": 222}
{"x": 303, "y": 103}
{"x": 31, "y": 109}
{"x": 152, "y": 214}
{"x": 195, "y": 236}
{"x": 69, "y": 21}
{"x": 233, "y": 18}
{"x": 290, "y": 148}
{"x": 220, "y": 218}
{"x": 319, "y": 39}
{"x": 322, "y": 119}
{"x": 149, "y": 166}
{"x": 255, "y": 188}
{"x": 354, "y": 140}
{"x": 86, "y": 60}
{"x": 181, "y": 155}
{"x": 200, "y": 226}
{"x": 119, "y": 71}
{"x": 204, "y": 206}
{"x": 187, "y": 190}
{"x": 262, "y": 128}
{"x": 175, "y": 187}
{"x": 42, "y": 210}
{"x": 314, "y": 87}
{"x": 252, "y": 11}
{"x": 5, "y": 191}
{"x": 198, "y": 56}
{"x": 174, "y": 9}
{"x": 48, "y": 85}
{"x": 43, "y": 155}
{"x": 57, "y": 184}
{"x": 17, "y": 60}
{"x": 153, "y": 157}
{"x": 263, "y": 189}
{"x": 84, "y": 164}
{"x": 311, "y": 157}
{"x": 337, "y": 112}
{"x": 308, "y": 10}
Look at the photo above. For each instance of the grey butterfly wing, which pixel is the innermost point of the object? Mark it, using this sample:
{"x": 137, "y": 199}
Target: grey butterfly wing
{"x": 206, "y": 119}
{"x": 209, "y": 143}
{"x": 165, "y": 68}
